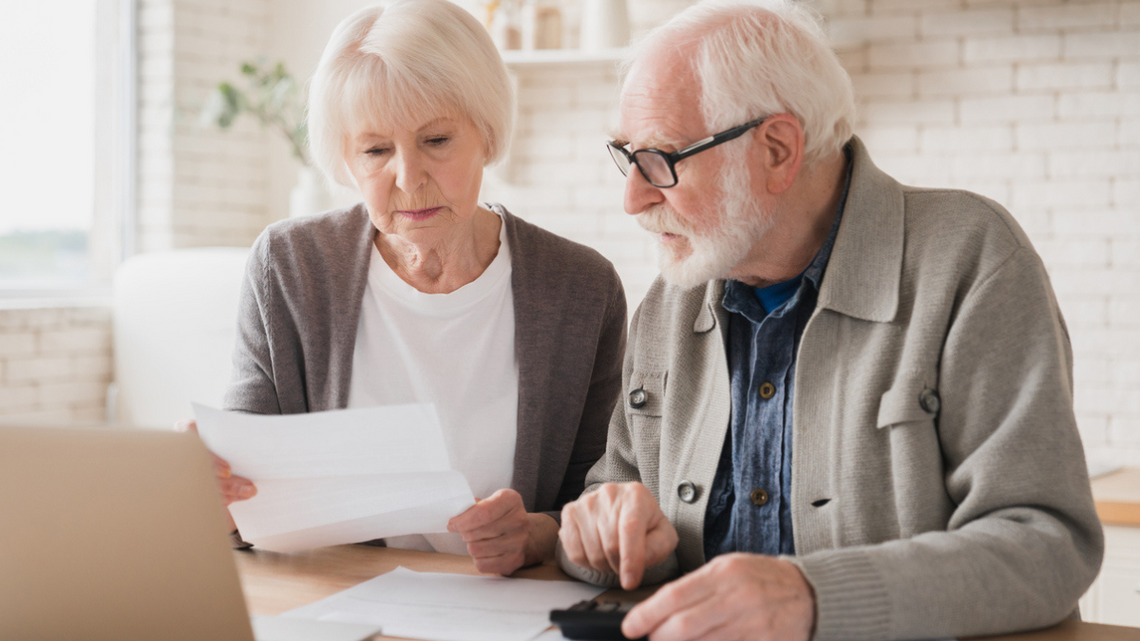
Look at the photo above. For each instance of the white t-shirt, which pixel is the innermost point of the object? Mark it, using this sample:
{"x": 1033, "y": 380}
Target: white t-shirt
{"x": 456, "y": 350}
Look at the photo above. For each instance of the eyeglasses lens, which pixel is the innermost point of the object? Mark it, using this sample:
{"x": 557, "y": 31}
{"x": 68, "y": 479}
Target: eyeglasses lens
{"x": 655, "y": 167}
{"x": 620, "y": 159}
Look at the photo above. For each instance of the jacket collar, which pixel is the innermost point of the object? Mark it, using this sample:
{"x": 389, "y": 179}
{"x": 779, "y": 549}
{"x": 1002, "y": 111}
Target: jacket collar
{"x": 711, "y": 310}
{"x": 865, "y": 269}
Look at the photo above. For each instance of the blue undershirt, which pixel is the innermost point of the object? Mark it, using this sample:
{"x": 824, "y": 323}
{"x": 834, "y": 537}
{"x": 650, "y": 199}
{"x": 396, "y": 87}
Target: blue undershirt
{"x": 772, "y": 296}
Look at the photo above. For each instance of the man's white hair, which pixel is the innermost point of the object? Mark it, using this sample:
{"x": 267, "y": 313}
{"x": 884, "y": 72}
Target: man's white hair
{"x": 392, "y": 64}
{"x": 763, "y": 57}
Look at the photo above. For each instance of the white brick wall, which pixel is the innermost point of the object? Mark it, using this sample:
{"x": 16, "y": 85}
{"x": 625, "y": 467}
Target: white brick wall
{"x": 198, "y": 186}
{"x": 55, "y": 364}
{"x": 559, "y": 175}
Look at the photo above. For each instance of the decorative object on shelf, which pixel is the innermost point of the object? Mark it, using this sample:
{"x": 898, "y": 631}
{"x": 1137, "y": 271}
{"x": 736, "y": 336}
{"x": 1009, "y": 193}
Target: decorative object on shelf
{"x": 273, "y": 97}
{"x": 605, "y": 24}
{"x": 542, "y": 58}
{"x": 502, "y": 21}
{"x": 541, "y": 25}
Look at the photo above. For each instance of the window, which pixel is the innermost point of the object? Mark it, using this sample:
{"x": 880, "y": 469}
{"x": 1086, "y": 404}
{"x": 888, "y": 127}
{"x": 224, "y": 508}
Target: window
{"x": 62, "y": 173}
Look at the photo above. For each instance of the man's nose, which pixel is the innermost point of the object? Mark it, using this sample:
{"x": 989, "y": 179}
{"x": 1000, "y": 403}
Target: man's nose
{"x": 639, "y": 194}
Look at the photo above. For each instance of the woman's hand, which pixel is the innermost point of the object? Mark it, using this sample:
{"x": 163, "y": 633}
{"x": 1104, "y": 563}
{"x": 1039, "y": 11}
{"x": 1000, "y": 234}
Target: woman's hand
{"x": 502, "y": 537}
{"x": 233, "y": 488}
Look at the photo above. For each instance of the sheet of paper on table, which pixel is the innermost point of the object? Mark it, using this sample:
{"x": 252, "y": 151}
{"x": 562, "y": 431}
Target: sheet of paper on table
{"x": 450, "y": 607}
{"x": 345, "y": 476}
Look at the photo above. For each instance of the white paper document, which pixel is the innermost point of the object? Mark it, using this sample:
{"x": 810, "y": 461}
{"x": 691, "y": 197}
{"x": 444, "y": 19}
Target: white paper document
{"x": 345, "y": 476}
{"x": 450, "y": 607}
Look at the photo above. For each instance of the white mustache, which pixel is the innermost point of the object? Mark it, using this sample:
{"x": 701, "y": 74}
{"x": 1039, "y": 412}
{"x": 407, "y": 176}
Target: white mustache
{"x": 663, "y": 219}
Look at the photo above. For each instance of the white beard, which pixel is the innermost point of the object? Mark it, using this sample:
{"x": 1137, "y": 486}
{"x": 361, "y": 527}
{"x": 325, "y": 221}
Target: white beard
{"x": 714, "y": 253}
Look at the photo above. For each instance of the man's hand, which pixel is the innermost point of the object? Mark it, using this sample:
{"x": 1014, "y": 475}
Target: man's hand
{"x": 734, "y": 596}
{"x": 618, "y": 528}
{"x": 502, "y": 537}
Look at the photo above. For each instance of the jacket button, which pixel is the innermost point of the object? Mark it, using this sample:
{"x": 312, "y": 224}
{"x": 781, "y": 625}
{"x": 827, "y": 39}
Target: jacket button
{"x": 638, "y": 398}
{"x": 759, "y": 497}
{"x": 929, "y": 401}
{"x": 687, "y": 491}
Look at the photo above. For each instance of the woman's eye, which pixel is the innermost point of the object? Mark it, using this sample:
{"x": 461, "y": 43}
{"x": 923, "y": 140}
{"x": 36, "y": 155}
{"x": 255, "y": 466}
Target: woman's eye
{"x": 377, "y": 151}
{"x": 438, "y": 141}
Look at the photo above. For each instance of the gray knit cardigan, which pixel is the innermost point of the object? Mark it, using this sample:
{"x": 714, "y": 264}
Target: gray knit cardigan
{"x": 300, "y": 306}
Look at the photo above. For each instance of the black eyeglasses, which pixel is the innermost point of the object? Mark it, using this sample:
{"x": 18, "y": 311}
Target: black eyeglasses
{"x": 659, "y": 167}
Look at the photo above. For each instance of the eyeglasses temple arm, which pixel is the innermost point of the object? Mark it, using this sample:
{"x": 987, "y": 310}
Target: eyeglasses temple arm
{"x": 714, "y": 140}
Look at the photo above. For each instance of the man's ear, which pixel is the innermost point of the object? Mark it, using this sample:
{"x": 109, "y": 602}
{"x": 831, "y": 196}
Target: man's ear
{"x": 780, "y": 145}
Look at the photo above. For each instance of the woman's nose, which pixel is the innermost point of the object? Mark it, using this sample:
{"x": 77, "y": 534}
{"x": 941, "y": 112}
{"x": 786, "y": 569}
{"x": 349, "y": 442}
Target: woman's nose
{"x": 410, "y": 174}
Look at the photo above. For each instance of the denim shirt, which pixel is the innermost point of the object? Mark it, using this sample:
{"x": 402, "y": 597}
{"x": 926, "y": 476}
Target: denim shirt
{"x": 749, "y": 508}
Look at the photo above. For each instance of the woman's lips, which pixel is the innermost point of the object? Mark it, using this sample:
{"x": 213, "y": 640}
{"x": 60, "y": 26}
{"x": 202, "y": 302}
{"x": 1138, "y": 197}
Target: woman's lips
{"x": 418, "y": 214}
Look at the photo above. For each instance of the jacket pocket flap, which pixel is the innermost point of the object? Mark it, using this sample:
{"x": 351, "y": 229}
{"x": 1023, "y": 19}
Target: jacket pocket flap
{"x": 646, "y": 393}
{"x": 901, "y": 404}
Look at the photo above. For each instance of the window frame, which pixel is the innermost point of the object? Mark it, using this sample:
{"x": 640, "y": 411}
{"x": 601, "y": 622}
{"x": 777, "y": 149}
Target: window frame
{"x": 111, "y": 238}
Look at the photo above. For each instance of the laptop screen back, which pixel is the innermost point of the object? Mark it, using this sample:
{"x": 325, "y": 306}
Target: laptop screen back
{"x": 113, "y": 534}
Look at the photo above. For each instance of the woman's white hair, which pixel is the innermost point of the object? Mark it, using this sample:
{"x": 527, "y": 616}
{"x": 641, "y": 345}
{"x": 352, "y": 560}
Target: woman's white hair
{"x": 392, "y": 64}
{"x": 764, "y": 57}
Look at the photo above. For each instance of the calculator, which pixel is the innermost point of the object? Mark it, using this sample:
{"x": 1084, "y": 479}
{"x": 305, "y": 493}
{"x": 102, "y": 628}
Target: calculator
{"x": 593, "y": 620}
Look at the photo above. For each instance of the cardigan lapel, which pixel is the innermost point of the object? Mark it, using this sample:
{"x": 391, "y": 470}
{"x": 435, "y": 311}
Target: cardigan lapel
{"x": 349, "y": 298}
{"x": 865, "y": 269}
{"x": 527, "y": 295}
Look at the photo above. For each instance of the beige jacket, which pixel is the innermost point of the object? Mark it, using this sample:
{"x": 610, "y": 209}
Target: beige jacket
{"x": 939, "y": 486}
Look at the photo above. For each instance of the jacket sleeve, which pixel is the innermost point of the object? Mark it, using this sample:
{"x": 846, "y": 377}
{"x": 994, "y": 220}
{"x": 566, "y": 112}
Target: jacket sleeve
{"x": 604, "y": 387}
{"x": 252, "y": 387}
{"x": 617, "y": 465}
{"x": 1023, "y": 541}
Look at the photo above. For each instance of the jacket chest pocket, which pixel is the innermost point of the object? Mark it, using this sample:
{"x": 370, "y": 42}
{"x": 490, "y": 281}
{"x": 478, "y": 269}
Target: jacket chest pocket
{"x": 644, "y": 401}
{"x": 908, "y": 402}
{"x": 645, "y": 396}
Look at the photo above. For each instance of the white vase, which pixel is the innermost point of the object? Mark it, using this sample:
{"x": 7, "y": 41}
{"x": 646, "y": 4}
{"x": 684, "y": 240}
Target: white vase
{"x": 309, "y": 196}
{"x": 605, "y": 25}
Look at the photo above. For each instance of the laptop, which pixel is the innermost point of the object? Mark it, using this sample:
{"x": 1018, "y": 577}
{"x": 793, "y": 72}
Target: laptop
{"x": 119, "y": 535}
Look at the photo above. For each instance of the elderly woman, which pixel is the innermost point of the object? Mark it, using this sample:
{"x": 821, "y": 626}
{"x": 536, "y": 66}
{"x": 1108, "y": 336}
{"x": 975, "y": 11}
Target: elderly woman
{"x": 423, "y": 294}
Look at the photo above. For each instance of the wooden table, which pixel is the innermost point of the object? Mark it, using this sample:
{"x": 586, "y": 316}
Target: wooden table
{"x": 1117, "y": 497}
{"x": 1115, "y": 595}
{"x": 274, "y": 583}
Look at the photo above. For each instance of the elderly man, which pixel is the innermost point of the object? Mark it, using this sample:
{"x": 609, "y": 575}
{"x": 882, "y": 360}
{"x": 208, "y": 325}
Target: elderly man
{"x": 847, "y": 407}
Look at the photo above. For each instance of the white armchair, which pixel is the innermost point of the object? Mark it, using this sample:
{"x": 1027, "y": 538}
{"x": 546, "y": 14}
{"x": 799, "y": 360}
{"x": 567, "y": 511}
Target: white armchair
{"x": 174, "y": 317}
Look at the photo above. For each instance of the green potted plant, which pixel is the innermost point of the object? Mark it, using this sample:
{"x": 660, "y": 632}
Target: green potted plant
{"x": 270, "y": 94}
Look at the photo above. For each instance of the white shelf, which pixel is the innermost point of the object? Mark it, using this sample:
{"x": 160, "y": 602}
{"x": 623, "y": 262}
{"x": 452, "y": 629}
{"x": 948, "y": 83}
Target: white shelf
{"x": 560, "y": 57}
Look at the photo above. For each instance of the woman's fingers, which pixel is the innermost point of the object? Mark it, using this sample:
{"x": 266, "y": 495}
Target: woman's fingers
{"x": 502, "y": 565}
{"x": 237, "y": 488}
{"x": 221, "y": 467}
{"x": 496, "y": 531}
{"x": 490, "y": 513}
